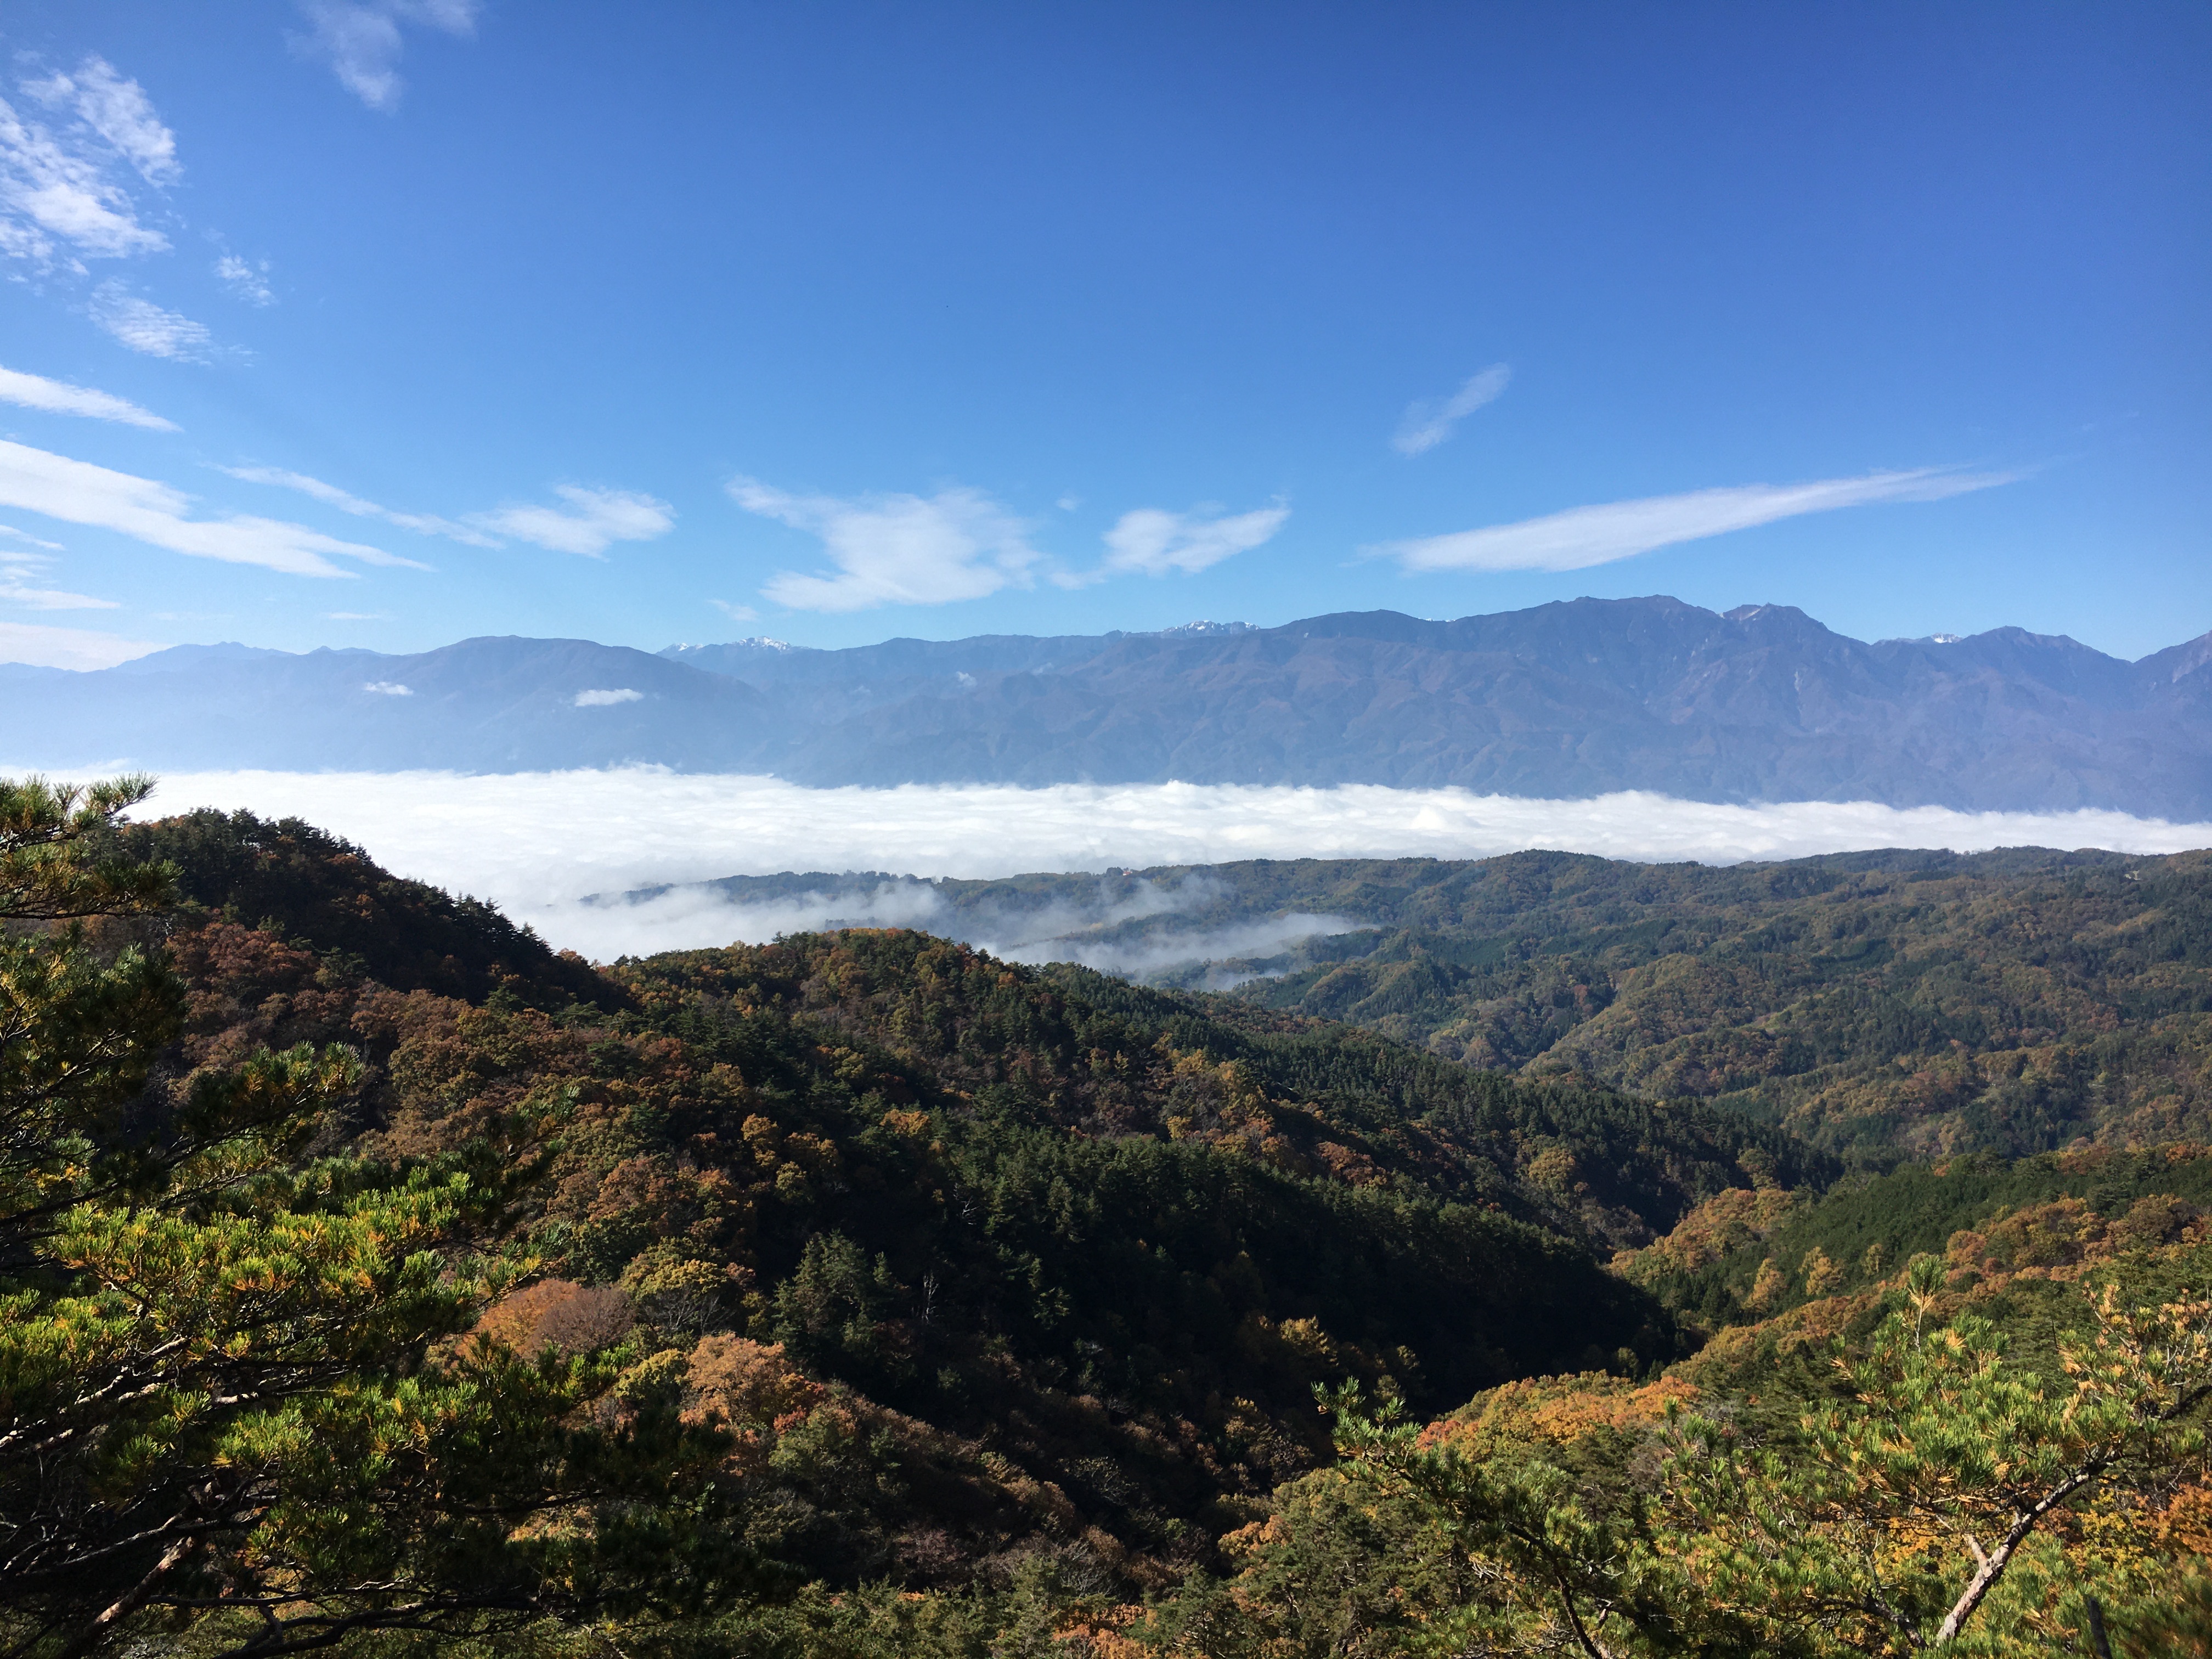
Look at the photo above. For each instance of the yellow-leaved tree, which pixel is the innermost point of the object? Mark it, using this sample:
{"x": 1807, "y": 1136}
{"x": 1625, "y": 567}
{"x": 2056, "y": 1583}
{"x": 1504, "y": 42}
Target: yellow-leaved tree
{"x": 1949, "y": 1500}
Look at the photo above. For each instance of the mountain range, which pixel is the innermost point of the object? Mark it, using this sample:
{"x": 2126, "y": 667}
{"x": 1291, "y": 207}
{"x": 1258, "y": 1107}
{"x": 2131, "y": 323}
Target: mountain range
{"x": 1566, "y": 700}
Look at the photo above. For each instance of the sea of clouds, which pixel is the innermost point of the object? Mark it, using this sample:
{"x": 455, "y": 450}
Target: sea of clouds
{"x": 541, "y": 844}
{"x": 1079, "y": 921}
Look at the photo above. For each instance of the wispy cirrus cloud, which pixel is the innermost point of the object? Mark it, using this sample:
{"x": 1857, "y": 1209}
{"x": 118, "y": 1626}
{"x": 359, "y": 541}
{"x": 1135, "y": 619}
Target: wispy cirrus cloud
{"x": 144, "y": 326}
{"x": 1428, "y": 422}
{"x": 117, "y": 111}
{"x": 593, "y": 521}
{"x": 80, "y": 181}
{"x": 1585, "y": 536}
{"x": 896, "y": 550}
{"x": 15, "y": 591}
{"x": 21, "y": 570}
{"x": 1152, "y": 541}
{"x": 247, "y": 279}
{"x": 77, "y": 492}
{"x": 49, "y": 598}
{"x": 60, "y": 397}
{"x": 362, "y": 42}
{"x": 67, "y": 181}
{"x": 590, "y": 522}
{"x": 423, "y": 524}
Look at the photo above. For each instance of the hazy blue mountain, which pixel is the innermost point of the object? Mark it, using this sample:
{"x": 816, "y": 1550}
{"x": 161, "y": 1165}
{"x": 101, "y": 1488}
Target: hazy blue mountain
{"x": 1572, "y": 699}
{"x": 483, "y": 705}
{"x": 180, "y": 658}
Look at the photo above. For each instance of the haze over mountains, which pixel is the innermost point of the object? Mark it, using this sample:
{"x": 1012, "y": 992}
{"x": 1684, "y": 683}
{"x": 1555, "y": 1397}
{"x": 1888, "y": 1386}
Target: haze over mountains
{"x": 1566, "y": 700}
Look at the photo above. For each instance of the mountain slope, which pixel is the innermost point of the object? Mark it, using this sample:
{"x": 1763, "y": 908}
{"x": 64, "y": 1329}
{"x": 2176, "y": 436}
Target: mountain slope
{"x": 1570, "y": 699}
{"x": 982, "y": 1263}
{"x": 291, "y": 880}
{"x": 1567, "y": 700}
{"x": 481, "y": 705}
{"x": 1880, "y": 1003}
{"x": 1007, "y": 1290}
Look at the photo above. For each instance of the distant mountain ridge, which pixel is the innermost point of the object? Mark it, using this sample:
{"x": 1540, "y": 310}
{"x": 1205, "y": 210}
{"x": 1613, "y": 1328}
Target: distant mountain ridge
{"x": 1565, "y": 699}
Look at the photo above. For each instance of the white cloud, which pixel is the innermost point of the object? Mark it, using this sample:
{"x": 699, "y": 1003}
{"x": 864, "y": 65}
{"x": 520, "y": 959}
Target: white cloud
{"x": 1428, "y": 422}
{"x": 1155, "y": 541}
{"x": 608, "y": 699}
{"x": 1080, "y": 923}
{"x": 64, "y": 189}
{"x": 1152, "y": 953}
{"x": 67, "y": 648}
{"x": 596, "y": 520}
{"x": 247, "y": 279}
{"x": 119, "y": 111}
{"x": 360, "y": 40}
{"x": 77, "y": 492}
{"x": 328, "y": 493}
{"x": 537, "y": 842}
{"x": 1585, "y": 536}
{"x": 60, "y": 397}
{"x": 735, "y": 613}
{"x": 692, "y": 917}
{"x": 19, "y": 571}
{"x": 1080, "y": 927}
{"x": 423, "y": 524}
{"x": 144, "y": 326}
{"x": 13, "y": 534}
{"x": 896, "y": 550}
{"x": 593, "y": 520}
{"x": 13, "y": 591}
{"x": 389, "y": 689}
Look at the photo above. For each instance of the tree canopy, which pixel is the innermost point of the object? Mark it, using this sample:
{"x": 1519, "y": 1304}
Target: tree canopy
{"x": 221, "y": 1410}
{"x": 373, "y": 1279}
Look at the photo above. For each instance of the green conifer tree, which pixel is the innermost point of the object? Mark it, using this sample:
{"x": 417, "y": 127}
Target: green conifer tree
{"x": 223, "y": 1417}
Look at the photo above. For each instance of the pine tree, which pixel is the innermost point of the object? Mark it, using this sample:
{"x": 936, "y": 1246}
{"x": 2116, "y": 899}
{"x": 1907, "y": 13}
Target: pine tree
{"x": 221, "y": 1413}
{"x": 1888, "y": 1525}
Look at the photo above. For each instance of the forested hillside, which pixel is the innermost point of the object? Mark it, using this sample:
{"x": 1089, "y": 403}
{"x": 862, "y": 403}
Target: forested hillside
{"x": 289, "y": 878}
{"x": 1880, "y": 1005}
{"x": 1743, "y": 1257}
{"x": 380, "y": 1276}
{"x": 1066, "y": 1256}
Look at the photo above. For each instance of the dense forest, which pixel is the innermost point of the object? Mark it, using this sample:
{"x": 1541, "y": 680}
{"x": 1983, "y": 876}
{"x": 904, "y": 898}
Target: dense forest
{"x": 1882, "y": 1005}
{"x": 373, "y": 1278}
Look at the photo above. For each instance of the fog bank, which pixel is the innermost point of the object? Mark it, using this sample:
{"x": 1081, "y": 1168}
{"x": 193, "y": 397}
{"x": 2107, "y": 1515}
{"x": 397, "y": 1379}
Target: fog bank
{"x": 538, "y": 843}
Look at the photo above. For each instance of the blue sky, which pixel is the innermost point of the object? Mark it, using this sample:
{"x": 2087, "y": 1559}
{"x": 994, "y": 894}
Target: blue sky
{"x": 387, "y": 323}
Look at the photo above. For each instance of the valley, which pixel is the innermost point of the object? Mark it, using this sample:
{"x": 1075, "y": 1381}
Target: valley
{"x": 1882, "y": 1005}
{"x": 1010, "y": 1292}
